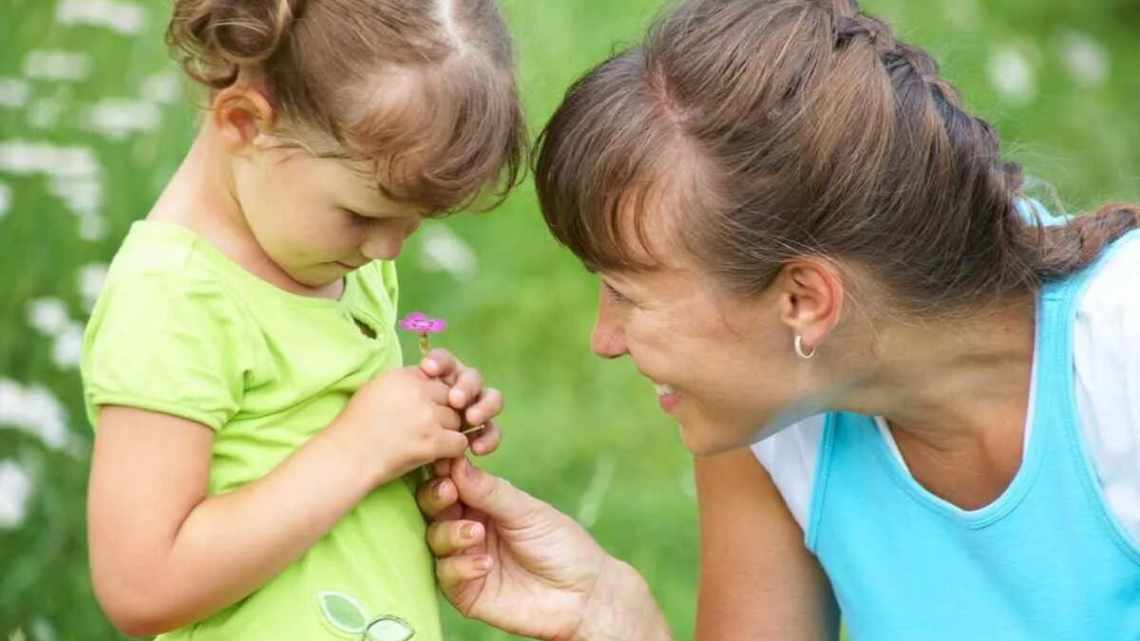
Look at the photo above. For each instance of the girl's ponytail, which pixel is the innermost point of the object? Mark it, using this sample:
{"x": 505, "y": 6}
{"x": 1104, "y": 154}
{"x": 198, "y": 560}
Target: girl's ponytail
{"x": 214, "y": 39}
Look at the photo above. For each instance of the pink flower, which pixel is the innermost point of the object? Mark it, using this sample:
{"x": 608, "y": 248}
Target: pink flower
{"x": 419, "y": 323}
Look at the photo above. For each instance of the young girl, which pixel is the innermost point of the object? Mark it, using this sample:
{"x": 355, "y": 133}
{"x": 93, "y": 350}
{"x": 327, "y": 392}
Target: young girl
{"x": 252, "y": 427}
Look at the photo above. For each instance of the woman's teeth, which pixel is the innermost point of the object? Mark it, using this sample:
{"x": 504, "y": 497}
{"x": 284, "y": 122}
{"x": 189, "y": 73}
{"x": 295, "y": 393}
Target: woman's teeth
{"x": 664, "y": 390}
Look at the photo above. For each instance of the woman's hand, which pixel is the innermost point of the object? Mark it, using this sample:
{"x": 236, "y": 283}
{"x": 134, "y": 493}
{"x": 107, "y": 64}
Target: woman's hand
{"x": 517, "y": 563}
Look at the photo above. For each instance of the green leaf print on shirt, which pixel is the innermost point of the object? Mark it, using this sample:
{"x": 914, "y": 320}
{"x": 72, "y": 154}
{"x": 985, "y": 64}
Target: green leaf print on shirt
{"x": 347, "y": 615}
{"x": 389, "y": 629}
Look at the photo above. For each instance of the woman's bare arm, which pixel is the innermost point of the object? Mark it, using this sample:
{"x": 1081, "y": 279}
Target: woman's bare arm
{"x": 758, "y": 580}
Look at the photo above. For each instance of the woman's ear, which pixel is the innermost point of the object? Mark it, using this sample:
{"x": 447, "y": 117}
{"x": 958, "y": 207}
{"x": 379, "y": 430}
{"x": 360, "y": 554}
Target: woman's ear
{"x": 811, "y": 295}
{"x": 241, "y": 113}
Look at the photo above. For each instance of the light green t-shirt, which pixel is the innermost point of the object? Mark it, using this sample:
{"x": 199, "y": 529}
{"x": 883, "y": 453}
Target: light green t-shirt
{"x": 183, "y": 330}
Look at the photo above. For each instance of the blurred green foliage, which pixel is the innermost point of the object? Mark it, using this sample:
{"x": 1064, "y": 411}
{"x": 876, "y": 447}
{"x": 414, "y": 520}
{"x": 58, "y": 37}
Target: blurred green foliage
{"x": 1055, "y": 78}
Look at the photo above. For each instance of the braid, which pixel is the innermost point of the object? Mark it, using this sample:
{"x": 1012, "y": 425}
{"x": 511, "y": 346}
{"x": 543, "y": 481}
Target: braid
{"x": 848, "y": 29}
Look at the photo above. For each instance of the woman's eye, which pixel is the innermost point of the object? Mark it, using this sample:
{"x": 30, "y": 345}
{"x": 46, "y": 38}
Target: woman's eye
{"x": 615, "y": 294}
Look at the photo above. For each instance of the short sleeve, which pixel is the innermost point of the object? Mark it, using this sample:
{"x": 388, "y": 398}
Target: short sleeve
{"x": 1106, "y": 351}
{"x": 167, "y": 342}
{"x": 791, "y": 456}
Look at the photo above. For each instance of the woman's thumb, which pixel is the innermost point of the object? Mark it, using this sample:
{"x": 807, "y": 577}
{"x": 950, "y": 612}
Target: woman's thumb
{"x": 490, "y": 494}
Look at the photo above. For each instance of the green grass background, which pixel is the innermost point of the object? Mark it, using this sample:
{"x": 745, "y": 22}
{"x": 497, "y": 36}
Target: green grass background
{"x": 583, "y": 434}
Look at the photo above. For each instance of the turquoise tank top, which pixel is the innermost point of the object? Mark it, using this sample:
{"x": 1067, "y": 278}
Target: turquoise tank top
{"x": 1046, "y": 561}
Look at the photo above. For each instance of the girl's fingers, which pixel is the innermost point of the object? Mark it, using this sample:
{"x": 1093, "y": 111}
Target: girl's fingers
{"x": 456, "y": 570}
{"x": 437, "y": 392}
{"x": 467, "y": 388}
{"x": 489, "y": 405}
{"x": 486, "y": 440}
{"x": 440, "y": 363}
{"x": 448, "y": 418}
{"x": 450, "y": 444}
{"x": 446, "y": 538}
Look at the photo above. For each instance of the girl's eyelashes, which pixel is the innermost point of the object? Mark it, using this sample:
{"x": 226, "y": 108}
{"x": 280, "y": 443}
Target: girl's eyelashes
{"x": 356, "y": 217}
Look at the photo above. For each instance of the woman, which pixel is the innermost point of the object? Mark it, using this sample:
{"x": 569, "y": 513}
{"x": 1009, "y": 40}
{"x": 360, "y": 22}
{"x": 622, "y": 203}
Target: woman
{"x": 799, "y": 227}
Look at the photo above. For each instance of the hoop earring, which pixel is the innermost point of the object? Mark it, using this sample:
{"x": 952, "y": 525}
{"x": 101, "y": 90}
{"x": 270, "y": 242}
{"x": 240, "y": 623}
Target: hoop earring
{"x": 799, "y": 344}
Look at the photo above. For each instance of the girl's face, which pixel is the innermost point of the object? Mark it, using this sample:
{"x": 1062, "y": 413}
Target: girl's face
{"x": 319, "y": 218}
{"x": 723, "y": 365}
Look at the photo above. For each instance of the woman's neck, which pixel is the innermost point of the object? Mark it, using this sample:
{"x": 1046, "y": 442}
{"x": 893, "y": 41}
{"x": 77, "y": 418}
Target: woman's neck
{"x": 955, "y": 395}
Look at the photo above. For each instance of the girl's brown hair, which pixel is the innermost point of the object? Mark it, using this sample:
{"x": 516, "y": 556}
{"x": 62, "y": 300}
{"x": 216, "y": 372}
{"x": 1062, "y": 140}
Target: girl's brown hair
{"x": 771, "y": 129}
{"x": 425, "y": 90}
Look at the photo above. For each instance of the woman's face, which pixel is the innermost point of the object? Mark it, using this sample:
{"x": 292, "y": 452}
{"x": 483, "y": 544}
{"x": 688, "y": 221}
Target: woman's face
{"x": 723, "y": 365}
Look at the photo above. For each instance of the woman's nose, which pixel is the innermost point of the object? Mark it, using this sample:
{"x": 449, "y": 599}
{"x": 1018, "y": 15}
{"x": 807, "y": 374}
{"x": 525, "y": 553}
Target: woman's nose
{"x": 608, "y": 338}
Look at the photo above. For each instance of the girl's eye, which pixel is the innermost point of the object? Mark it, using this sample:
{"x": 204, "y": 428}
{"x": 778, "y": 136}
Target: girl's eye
{"x": 357, "y": 219}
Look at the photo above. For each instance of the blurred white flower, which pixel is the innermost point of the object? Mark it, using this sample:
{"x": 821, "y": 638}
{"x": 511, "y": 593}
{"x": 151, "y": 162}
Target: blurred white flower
{"x": 44, "y": 113}
{"x": 92, "y": 276}
{"x": 23, "y": 157}
{"x": 688, "y": 483}
{"x": 92, "y": 227}
{"x": 162, "y": 88}
{"x": 43, "y": 630}
{"x": 33, "y": 410}
{"x": 48, "y": 316}
{"x": 15, "y": 489}
{"x": 5, "y": 199}
{"x": 119, "y": 117}
{"x": 83, "y": 195}
{"x": 1012, "y": 76}
{"x": 442, "y": 250}
{"x": 126, "y": 18}
{"x": 74, "y": 177}
{"x": 68, "y": 346}
{"x": 595, "y": 494}
{"x": 1086, "y": 59}
{"x": 13, "y": 92}
{"x": 57, "y": 65}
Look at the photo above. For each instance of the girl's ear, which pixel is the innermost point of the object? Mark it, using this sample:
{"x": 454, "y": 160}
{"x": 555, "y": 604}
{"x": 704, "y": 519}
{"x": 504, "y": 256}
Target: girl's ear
{"x": 811, "y": 295}
{"x": 241, "y": 113}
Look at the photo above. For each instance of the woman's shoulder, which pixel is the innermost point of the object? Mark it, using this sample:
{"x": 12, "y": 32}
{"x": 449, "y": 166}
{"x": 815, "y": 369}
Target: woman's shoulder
{"x": 790, "y": 456}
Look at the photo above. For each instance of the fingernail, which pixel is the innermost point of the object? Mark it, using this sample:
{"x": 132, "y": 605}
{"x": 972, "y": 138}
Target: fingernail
{"x": 469, "y": 531}
{"x": 460, "y": 397}
{"x": 483, "y": 563}
{"x": 438, "y": 490}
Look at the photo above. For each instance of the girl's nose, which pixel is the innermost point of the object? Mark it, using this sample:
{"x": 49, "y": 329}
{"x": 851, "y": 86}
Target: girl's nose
{"x": 383, "y": 247}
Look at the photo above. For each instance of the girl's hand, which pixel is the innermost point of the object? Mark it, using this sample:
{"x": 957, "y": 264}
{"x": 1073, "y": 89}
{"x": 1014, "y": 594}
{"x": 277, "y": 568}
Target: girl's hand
{"x": 397, "y": 422}
{"x": 520, "y": 565}
{"x": 478, "y": 404}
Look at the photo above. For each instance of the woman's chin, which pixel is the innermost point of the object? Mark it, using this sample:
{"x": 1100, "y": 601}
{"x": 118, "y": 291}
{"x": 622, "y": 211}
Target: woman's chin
{"x": 705, "y": 440}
